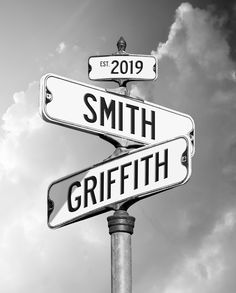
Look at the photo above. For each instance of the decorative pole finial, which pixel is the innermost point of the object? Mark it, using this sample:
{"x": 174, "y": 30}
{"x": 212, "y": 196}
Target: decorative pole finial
{"x": 121, "y": 45}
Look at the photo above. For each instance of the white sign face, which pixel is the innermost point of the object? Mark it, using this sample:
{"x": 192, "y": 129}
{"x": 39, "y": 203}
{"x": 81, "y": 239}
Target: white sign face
{"x": 94, "y": 110}
{"x": 133, "y": 67}
{"x": 143, "y": 172}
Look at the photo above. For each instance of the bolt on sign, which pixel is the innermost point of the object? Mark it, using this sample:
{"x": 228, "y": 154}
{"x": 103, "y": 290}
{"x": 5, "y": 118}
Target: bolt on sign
{"x": 97, "y": 111}
{"x": 143, "y": 172}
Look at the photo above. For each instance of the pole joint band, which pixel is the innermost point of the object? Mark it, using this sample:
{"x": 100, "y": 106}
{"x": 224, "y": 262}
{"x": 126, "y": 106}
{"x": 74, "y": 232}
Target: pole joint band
{"x": 121, "y": 221}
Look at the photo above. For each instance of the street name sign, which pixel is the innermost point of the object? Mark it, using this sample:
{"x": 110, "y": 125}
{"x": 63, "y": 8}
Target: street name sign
{"x": 122, "y": 66}
{"x": 142, "y": 172}
{"x": 97, "y": 111}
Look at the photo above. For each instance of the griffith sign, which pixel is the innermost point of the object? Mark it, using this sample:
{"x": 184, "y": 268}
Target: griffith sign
{"x": 94, "y": 110}
{"x": 140, "y": 173}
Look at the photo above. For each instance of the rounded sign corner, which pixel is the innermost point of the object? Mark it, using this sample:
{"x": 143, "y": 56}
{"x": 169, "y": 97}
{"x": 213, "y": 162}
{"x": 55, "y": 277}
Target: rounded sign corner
{"x": 46, "y": 76}
{"x": 44, "y": 114}
{"x": 51, "y": 227}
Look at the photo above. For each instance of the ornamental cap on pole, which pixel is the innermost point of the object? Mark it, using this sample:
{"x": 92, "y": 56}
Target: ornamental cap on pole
{"x": 121, "y": 45}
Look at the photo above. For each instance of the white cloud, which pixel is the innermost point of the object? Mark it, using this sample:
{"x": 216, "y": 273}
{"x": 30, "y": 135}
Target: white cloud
{"x": 34, "y": 153}
{"x": 196, "y": 42}
{"x": 195, "y": 77}
{"x": 61, "y": 48}
{"x": 185, "y": 242}
{"x": 22, "y": 115}
{"x": 204, "y": 271}
{"x": 71, "y": 61}
{"x": 19, "y": 121}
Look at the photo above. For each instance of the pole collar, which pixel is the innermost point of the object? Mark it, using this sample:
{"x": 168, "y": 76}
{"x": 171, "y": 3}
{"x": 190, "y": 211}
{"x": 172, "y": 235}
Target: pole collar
{"x": 121, "y": 221}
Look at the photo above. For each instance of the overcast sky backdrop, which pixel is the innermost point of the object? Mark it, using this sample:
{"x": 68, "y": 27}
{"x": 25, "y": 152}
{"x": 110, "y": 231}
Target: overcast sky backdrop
{"x": 185, "y": 238}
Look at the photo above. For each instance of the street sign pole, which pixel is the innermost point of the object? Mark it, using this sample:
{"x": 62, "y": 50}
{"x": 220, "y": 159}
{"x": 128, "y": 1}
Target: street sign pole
{"x": 148, "y": 159}
{"x": 121, "y": 226}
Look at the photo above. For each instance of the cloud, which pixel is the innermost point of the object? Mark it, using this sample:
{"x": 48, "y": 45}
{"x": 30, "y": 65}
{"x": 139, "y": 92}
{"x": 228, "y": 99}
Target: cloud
{"x": 184, "y": 238}
{"x": 34, "y": 153}
{"x": 20, "y": 120}
{"x": 196, "y": 39}
{"x": 70, "y": 60}
{"x": 196, "y": 76}
{"x": 61, "y": 48}
{"x": 205, "y": 271}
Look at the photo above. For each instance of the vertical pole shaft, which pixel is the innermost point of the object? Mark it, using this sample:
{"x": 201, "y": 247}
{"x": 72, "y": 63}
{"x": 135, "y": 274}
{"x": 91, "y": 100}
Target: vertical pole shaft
{"x": 121, "y": 228}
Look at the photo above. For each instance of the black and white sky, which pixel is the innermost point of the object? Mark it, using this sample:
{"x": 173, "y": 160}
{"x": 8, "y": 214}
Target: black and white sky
{"x": 185, "y": 238}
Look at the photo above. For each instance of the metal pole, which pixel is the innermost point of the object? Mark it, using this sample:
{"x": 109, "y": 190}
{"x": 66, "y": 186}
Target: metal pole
{"x": 121, "y": 226}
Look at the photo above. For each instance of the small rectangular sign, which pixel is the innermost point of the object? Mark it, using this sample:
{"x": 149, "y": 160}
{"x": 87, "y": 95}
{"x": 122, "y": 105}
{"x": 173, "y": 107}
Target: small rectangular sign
{"x": 94, "y": 110}
{"x": 143, "y": 172}
{"x": 132, "y": 67}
